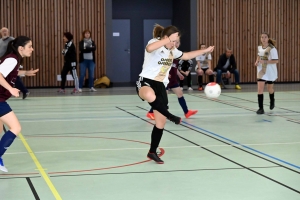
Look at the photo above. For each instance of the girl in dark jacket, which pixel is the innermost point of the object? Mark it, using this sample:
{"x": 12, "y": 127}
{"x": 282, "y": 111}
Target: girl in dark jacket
{"x": 69, "y": 53}
{"x": 87, "y": 49}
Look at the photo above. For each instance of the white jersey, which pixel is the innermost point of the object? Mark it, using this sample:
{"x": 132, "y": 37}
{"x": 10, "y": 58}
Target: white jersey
{"x": 204, "y": 58}
{"x": 271, "y": 70}
{"x": 158, "y": 63}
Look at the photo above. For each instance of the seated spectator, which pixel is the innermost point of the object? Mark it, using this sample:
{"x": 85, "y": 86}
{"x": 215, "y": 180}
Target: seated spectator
{"x": 227, "y": 64}
{"x": 185, "y": 67}
{"x": 204, "y": 67}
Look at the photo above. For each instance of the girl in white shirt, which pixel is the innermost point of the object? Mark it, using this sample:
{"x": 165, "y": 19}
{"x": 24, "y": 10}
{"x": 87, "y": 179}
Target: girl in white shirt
{"x": 159, "y": 54}
{"x": 204, "y": 67}
{"x": 266, "y": 70}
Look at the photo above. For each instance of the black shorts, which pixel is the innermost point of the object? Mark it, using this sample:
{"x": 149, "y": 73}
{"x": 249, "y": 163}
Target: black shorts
{"x": 4, "y": 108}
{"x": 158, "y": 88}
{"x": 267, "y": 82}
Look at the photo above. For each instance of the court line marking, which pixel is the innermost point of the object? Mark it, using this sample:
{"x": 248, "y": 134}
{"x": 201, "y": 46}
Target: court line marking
{"x": 40, "y": 169}
{"x": 172, "y": 147}
{"x": 241, "y": 145}
{"x": 219, "y": 155}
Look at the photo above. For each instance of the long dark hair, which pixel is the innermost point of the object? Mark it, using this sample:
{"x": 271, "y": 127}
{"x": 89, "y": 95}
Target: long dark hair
{"x": 13, "y": 46}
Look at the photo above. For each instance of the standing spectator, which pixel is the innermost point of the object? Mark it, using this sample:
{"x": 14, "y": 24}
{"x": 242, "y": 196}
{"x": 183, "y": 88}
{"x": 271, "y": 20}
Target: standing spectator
{"x": 266, "y": 61}
{"x": 87, "y": 50}
{"x": 227, "y": 64}
{"x": 69, "y": 53}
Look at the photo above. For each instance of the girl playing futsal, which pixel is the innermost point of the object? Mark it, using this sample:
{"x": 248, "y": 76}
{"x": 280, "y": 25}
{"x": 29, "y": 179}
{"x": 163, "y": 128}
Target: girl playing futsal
{"x": 174, "y": 86}
{"x": 9, "y": 70}
{"x": 266, "y": 70}
{"x": 151, "y": 86}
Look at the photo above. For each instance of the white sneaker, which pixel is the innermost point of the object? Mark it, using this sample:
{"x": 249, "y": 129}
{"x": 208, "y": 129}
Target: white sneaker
{"x": 79, "y": 90}
{"x": 92, "y": 89}
{"x": 2, "y": 168}
{"x": 190, "y": 89}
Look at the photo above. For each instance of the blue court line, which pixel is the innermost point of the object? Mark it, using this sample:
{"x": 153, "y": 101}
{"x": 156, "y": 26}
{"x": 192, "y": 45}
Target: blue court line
{"x": 266, "y": 120}
{"x": 234, "y": 142}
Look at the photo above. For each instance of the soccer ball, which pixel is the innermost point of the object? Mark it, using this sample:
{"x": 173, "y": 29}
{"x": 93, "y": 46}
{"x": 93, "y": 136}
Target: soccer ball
{"x": 212, "y": 90}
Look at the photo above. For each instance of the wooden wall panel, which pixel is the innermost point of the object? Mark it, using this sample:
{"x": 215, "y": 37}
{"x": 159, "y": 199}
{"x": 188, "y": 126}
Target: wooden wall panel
{"x": 45, "y": 21}
{"x": 238, "y": 24}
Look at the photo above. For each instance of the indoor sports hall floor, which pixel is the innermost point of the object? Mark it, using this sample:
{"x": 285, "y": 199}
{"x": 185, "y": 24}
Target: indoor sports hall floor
{"x": 93, "y": 146}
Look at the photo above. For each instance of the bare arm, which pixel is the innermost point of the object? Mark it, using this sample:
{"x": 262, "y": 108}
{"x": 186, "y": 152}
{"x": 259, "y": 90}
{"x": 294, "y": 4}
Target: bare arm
{"x": 4, "y": 83}
{"x": 193, "y": 54}
{"x": 163, "y": 41}
{"x": 209, "y": 64}
{"x": 156, "y": 45}
{"x": 28, "y": 73}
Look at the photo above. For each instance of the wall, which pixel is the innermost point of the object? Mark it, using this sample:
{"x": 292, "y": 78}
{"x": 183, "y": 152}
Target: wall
{"x": 137, "y": 11}
{"x": 45, "y": 21}
{"x": 238, "y": 23}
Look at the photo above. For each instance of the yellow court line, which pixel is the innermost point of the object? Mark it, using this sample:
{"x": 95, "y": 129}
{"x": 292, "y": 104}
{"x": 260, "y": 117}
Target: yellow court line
{"x": 40, "y": 168}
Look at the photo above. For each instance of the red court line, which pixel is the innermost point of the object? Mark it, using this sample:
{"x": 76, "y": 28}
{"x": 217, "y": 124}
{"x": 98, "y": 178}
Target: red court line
{"x": 105, "y": 168}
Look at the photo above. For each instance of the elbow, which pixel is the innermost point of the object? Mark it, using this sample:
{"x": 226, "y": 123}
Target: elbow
{"x": 149, "y": 50}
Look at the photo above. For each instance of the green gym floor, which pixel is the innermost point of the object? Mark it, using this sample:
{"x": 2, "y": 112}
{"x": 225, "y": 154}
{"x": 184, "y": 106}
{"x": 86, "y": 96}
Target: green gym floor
{"x": 93, "y": 146}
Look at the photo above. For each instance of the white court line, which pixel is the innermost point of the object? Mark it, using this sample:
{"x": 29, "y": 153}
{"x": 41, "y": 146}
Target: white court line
{"x": 175, "y": 147}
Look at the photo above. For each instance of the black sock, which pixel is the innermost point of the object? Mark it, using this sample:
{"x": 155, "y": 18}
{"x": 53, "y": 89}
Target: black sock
{"x": 260, "y": 101}
{"x": 211, "y": 78}
{"x": 158, "y": 105}
{"x": 272, "y": 100}
{"x": 200, "y": 81}
{"x": 155, "y": 138}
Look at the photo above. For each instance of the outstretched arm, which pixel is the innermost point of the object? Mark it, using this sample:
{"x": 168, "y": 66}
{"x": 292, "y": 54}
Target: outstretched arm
{"x": 193, "y": 54}
{"x": 28, "y": 73}
{"x": 163, "y": 41}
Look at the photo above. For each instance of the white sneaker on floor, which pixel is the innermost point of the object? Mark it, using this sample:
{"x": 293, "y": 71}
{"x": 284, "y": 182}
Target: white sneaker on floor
{"x": 190, "y": 89}
{"x": 79, "y": 90}
{"x": 2, "y": 168}
{"x": 92, "y": 89}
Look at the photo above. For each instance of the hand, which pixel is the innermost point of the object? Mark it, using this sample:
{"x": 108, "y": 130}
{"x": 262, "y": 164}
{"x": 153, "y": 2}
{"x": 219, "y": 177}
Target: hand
{"x": 14, "y": 92}
{"x": 173, "y": 37}
{"x": 256, "y": 63}
{"x": 209, "y": 49}
{"x": 228, "y": 73}
{"x": 181, "y": 77}
{"x": 31, "y": 72}
{"x": 187, "y": 73}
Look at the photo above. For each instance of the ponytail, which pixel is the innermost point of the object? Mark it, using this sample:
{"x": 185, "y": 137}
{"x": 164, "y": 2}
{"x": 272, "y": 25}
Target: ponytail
{"x": 157, "y": 31}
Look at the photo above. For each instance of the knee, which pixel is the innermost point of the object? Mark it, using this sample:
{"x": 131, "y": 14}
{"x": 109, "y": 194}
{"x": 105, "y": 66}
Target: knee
{"x": 16, "y": 130}
{"x": 200, "y": 73}
{"x": 147, "y": 95}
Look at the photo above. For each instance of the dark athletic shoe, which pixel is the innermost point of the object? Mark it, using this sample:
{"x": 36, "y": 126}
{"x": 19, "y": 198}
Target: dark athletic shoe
{"x": 260, "y": 111}
{"x": 153, "y": 156}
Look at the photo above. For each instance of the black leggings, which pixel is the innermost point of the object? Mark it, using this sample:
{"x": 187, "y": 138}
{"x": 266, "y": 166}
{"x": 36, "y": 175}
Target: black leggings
{"x": 189, "y": 80}
{"x": 65, "y": 70}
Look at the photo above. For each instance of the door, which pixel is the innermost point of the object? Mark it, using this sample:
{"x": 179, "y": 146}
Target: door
{"x": 120, "y": 71}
